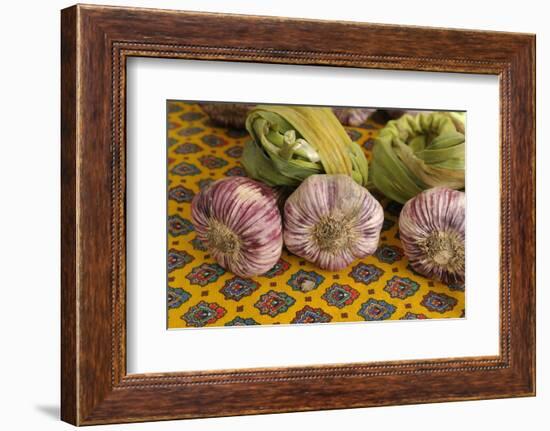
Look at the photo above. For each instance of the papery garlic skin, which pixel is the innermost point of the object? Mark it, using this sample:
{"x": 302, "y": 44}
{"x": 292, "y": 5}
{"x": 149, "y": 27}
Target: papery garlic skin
{"x": 240, "y": 223}
{"x": 330, "y": 220}
{"x": 432, "y": 231}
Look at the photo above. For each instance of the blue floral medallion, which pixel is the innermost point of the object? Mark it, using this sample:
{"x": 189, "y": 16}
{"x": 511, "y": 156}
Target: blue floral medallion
{"x": 204, "y": 313}
{"x": 340, "y": 295}
{"x": 178, "y": 259}
{"x": 304, "y": 281}
{"x": 187, "y": 148}
{"x": 204, "y": 183}
{"x": 198, "y": 244}
{"x": 401, "y": 287}
{"x": 389, "y": 253}
{"x": 375, "y": 309}
{"x": 191, "y": 116}
{"x": 273, "y": 303}
{"x": 237, "y": 288}
{"x": 181, "y": 194}
{"x": 212, "y": 162}
{"x": 236, "y": 133}
{"x": 278, "y": 269}
{"x": 190, "y": 131}
{"x": 413, "y": 316}
{"x": 354, "y": 135}
{"x": 176, "y": 296}
{"x": 311, "y": 315}
{"x": 178, "y": 226}
{"x": 235, "y": 152}
{"x": 240, "y": 321}
{"x": 456, "y": 287}
{"x": 235, "y": 171}
{"x": 366, "y": 274}
{"x": 205, "y": 273}
{"x": 173, "y": 107}
{"x": 438, "y": 302}
{"x": 185, "y": 169}
{"x": 214, "y": 141}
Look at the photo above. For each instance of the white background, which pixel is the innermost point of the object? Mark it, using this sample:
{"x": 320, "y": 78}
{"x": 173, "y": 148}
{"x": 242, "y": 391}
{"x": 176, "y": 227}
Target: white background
{"x": 29, "y": 216}
{"x": 152, "y": 349}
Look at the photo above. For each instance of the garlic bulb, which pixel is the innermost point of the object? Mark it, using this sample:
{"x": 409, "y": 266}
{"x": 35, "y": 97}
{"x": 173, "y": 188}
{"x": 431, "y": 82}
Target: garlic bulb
{"x": 331, "y": 220}
{"x": 238, "y": 220}
{"x": 227, "y": 114}
{"x": 352, "y": 116}
{"x": 431, "y": 228}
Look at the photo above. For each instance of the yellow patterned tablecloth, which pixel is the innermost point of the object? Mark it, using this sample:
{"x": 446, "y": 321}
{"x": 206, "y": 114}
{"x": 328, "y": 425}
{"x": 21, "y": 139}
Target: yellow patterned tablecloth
{"x": 201, "y": 293}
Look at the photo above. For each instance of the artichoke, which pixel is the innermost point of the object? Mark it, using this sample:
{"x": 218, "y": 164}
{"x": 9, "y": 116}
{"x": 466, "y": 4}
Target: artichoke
{"x": 415, "y": 153}
{"x": 291, "y": 143}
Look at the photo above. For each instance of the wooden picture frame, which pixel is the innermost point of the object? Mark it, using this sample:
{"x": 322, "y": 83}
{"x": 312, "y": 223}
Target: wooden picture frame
{"x": 96, "y": 41}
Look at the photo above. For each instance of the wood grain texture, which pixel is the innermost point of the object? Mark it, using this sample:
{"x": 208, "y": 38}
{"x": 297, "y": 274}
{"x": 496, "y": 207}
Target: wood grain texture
{"x": 96, "y": 41}
{"x": 69, "y": 396}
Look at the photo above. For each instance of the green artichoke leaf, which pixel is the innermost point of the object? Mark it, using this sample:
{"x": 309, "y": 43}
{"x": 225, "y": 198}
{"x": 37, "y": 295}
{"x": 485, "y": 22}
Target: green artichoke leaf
{"x": 295, "y": 142}
{"x": 418, "y": 152}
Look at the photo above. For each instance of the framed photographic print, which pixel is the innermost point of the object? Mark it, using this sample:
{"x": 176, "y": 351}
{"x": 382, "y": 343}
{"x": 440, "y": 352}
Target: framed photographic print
{"x": 259, "y": 217}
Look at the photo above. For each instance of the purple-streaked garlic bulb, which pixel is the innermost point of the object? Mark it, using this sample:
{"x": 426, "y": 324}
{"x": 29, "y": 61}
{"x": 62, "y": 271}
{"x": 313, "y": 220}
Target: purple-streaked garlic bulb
{"x": 431, "y": 228}
{"x": 238, "y": 220}
{"x": 352, "y": 116}
{"x": 330, "y": 220}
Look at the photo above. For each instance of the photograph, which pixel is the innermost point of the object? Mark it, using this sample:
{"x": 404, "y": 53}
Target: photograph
{"x": 275, "y": 210}
{"x": 275, "y": 215}
{"x": 287, "y": 214}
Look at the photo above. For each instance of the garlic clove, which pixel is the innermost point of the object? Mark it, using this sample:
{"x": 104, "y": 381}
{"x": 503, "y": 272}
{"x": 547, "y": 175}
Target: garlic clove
{"x": 330, "y": 220}
{"x": 432, "y": 231}
{"x": 238, "y": 220}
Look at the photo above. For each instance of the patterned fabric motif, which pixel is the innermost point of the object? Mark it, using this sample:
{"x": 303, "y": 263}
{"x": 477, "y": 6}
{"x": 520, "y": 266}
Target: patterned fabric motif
{"x": 177, "y": 296}
{"x": 189, "y": 131}
{"x": 212, "y": 162}
{"x": 340, "y": 295}
{"x": 375, "y": 309}
{"x": 236, "y": 171}
{"x": 178, "y": 226}
{"x": 366, "y": 274}
{"x": 457, "y": 287}
{"x": 214, "y": 141}
{"x": 198, "y": 244}
{"x": 293, "y": 291}
{"x": 181, "y": 194}
{"x": 278, "y": 269}
{"x": 203, "y": 314}
{"x": 205, "y": 182}
{"x": 273, "y": 303}
{"x": 413, "y": 316}
{"x": 239, "y": 321}
{"x": 185, "y": 169}
{"x": 311, "y": 315}
{"x": 305, "y": 281}
{"x": 205, "y": 273}
{"x": 178, "y": 259}
{"x": 389, "y": 253}
{"x": 234, "y": 152}
{"x": 401, "y": 287}
{"x": 188, "y": 149}
{"x": 238, "y": 287}
{"x": 438, "y": 302}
